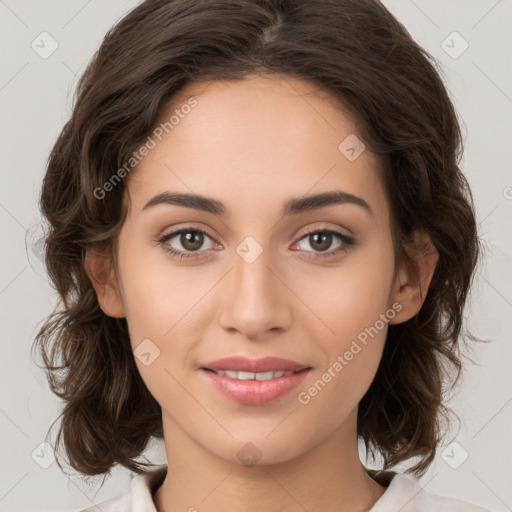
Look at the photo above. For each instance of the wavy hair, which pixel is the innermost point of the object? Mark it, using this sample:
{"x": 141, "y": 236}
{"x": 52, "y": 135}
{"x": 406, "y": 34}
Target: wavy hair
{"x": 361, "y": 54}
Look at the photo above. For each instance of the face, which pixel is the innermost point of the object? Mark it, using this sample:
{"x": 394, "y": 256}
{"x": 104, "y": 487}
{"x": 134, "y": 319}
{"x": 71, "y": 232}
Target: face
{"x": 312, "y": 283}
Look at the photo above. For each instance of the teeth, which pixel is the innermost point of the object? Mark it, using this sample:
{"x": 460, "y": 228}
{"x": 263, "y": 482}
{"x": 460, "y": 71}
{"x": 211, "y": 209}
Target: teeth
{"x": 252, "y": 375}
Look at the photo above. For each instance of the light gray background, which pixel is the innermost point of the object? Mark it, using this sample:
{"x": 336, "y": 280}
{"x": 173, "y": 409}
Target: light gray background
{"x": 35, "y": 100}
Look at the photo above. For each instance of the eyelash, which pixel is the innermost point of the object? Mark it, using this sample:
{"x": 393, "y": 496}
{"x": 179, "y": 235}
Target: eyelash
{"x": 346, "y": 243}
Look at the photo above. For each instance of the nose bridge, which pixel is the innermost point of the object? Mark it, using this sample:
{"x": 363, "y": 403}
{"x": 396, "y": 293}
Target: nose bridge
{"x": 253, "y": 279}
{"x": 255, "y": 302}
{"x": 252, "y": 262}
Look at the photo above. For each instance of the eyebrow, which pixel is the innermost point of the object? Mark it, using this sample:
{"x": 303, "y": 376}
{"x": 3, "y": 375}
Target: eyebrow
{"x": 291, "y": 207}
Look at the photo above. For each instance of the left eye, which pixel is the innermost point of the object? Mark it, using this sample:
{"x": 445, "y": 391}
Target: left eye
{"x": 321, "y": 240}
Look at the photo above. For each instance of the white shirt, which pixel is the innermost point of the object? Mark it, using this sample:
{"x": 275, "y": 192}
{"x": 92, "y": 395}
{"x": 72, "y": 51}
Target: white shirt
{"x": 403, "y": 494}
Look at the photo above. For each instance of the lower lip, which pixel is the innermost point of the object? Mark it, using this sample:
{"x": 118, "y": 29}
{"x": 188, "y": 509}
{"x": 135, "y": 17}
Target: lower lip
{"x": 255, "y": 392}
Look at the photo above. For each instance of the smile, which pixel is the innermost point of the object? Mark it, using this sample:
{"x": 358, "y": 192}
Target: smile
{"x": 252, "y": 388}
{"x": 253, "y": 376}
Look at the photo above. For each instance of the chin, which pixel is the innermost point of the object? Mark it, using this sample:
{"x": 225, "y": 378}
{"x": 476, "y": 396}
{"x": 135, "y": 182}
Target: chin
{"x": 259, "y": 451}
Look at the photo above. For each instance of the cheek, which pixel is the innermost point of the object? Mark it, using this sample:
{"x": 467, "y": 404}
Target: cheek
{"x": 351, "y": 296}
{"x": 165, "y": 307}
{"x": 354, "y": 314}
{"x": 156, "y": 293}
{"x": 358, "y": 319}
{"x": 338, "y": 388}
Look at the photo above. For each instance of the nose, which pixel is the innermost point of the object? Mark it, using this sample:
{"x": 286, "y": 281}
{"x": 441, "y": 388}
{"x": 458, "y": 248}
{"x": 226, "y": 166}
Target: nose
{"x": 255, "y": 298}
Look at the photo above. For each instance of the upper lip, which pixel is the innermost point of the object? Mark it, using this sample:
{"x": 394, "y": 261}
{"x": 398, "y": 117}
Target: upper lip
{"x": 265, "y": 364}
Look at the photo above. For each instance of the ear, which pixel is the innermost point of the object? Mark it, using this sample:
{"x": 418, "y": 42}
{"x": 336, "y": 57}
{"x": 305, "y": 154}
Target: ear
{"x": 409, "y": 290}
{"x": 99, "y": 267}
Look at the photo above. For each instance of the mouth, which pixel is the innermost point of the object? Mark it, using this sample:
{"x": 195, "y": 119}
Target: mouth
{"x": 243, "y": 365}
{"x": 255, "y": 388}
{"x": 259, "y": 376}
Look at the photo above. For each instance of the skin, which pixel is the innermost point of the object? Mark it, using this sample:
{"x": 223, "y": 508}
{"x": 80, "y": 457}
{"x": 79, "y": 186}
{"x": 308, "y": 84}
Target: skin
{"x": 254, "y": 144}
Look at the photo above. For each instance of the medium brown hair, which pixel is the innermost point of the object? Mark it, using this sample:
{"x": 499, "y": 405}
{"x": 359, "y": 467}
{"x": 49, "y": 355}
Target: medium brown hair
{"x": 357, "y": 51}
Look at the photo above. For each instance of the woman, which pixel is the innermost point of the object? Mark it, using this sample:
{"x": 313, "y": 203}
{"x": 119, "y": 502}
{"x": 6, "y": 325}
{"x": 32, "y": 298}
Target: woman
{"x": 263, "y": 244}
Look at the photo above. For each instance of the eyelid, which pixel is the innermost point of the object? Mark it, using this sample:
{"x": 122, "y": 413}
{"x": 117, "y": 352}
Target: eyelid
{"x": 322, "y": 229}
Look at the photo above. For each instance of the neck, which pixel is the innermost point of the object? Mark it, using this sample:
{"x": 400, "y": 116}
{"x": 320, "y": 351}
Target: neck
{"x": 327, "y": 478}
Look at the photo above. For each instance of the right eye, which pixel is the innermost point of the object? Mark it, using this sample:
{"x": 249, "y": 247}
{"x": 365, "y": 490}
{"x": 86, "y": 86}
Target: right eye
{"x": 190, "y": 239}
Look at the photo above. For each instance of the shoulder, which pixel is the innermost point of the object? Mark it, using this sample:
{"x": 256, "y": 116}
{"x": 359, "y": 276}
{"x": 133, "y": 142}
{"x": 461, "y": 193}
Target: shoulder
{"x": 406, "y": 494}
{"x": 138, "y": 497}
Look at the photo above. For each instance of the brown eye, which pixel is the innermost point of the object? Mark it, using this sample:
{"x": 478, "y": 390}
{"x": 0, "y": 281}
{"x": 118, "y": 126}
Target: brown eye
{"x": 191, "y": 240}
{"x": 321, "y": 241}
{"x": 188, "y": 240}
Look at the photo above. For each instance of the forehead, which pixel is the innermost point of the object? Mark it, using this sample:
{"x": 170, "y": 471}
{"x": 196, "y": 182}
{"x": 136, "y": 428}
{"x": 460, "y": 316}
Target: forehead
{"x": 255, "y": 142}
